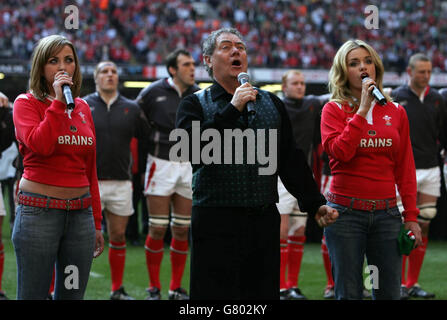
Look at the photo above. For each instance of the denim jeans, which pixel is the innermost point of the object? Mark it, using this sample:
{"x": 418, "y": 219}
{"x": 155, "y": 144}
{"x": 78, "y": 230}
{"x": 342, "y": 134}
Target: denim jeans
{"x": 357, "y": 233}
{"x": 43, "y": 238}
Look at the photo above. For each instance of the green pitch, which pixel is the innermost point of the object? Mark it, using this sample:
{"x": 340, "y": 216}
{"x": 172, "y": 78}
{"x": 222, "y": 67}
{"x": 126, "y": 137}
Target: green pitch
{"x": 312, "y": 279}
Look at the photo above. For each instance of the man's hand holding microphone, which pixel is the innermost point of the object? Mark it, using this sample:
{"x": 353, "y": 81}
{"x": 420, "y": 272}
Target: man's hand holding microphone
{"x": 245, "y": 94}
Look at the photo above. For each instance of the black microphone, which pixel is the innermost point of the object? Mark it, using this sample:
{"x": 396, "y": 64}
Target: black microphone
{"x": 376, "y": 92}
{"x": 243, "y": 77}
{"x": 68, "y": 96}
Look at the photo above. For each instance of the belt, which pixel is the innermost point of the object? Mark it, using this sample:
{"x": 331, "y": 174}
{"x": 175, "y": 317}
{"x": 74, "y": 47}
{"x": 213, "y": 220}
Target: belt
{"x": 361, "y": 204}
{"x": 257, "y": 209}
{"x": 52, "y": 203}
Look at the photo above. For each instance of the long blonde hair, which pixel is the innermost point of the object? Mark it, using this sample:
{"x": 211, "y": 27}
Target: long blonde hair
{"x": 46, "y": 48}
{"x": 338, "y": 74}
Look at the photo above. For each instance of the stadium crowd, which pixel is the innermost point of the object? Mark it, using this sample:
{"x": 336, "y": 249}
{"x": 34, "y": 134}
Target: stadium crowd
{"x": 23, "y": 22}
{"x": 286, "y": 34}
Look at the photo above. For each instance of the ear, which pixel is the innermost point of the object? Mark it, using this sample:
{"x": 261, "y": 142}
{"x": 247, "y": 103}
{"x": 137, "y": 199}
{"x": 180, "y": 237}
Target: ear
{"x": 208, "y": 61}
{"x": 172, "y": 71}
{"x": 409, "y": 71}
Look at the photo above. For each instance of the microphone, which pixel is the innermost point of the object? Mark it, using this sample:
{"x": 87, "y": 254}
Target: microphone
{"x": 376, "y": 92}
{"x": 68, "y": 96}
{"x": 242, "y": 78}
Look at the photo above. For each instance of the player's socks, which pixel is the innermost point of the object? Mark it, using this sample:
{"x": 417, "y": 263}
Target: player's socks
{"x": 327, "y": 263}
{"x": 2, "y": 262}
{"x": 117, "y": 260}
{"x": 284, "y": 253}
{"x": 404, "y": 273}
{"x": 296, "y": 249}
{"x": 154, "y": 256}
{"x": 415, "y": 260}
{"x": 178, "y": 255}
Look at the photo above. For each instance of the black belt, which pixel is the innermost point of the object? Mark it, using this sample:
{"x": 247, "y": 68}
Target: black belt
{"x": 258, "y": 209}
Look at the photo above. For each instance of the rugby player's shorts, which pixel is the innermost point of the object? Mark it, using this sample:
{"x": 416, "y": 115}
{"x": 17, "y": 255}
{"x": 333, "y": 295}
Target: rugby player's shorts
{"x": 287, "y": 203}
{"x": 429, "y": 181}
{"x": 164, "y": 178}
{"x": 116, "y": 196}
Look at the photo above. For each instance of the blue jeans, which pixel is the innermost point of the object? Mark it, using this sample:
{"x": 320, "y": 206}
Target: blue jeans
{"x": 44, "y": 237}
{"x": 357, "y": 233}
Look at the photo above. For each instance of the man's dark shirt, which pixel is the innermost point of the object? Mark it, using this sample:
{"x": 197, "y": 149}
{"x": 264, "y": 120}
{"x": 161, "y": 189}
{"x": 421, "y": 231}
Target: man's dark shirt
{"x": 304, "y": 116}
{"x": 427, "y": 121}
{"x": 114, "y": 130}
{"x": 7, "y": 134}
{"x": 160, "y": 102}
{"x": 292, "y": 165}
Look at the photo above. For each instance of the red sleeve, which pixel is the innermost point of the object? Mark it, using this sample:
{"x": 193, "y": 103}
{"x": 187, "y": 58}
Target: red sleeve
{"x": 340, "y": 140}
{"x": 93, "y": 179}
{"x": 405, "y": 171}
{"x": 37, "y": 133}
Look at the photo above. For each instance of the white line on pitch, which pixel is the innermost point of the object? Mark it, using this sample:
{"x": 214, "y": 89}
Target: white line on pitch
{"x": 96, "y": 275}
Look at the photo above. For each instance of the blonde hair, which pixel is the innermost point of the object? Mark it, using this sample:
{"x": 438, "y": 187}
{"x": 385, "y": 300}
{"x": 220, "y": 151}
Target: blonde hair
{"x": 46, "y": 48}
{"x": 287, "y": 73}
{"x": 338, "y": 74}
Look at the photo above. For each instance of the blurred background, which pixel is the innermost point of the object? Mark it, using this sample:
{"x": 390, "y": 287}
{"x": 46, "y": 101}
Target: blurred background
{"x": 280, "y": 35}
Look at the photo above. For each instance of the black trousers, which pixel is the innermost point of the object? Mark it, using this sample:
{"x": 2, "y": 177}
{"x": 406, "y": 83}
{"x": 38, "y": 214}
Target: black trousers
{"x": 235, "y": 253}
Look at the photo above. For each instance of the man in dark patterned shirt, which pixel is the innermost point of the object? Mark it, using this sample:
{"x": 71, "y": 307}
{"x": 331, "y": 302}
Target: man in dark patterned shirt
{"x": 235, "y": 222}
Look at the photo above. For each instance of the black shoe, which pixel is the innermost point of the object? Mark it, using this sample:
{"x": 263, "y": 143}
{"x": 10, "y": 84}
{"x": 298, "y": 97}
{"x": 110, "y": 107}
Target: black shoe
{"x": 329, "y": 293}
{"x": 418, "y": 292}
{"x": 284, "y": 294}
{"x": 178, "y": 294}
{"x": 404, "y": 293}
{"x": 296, "y": 294}
{"x": 153, "y": 294}
{"x": 120, "y": 294}
{"x": 3, "y": 296}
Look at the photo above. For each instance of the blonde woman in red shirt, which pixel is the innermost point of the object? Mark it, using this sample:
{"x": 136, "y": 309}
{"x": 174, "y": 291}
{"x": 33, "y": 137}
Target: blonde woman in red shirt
{"x": 369, "y": 154}
{"x": 58, "y": 217}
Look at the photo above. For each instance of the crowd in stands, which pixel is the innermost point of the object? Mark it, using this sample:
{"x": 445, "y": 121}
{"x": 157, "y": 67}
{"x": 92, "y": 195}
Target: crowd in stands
{"x": 24, "y": 22}
{"x": 302, "y": 34}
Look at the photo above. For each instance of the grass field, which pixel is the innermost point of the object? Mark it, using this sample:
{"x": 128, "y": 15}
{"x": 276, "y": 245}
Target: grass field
{"x": 312, "y": 276}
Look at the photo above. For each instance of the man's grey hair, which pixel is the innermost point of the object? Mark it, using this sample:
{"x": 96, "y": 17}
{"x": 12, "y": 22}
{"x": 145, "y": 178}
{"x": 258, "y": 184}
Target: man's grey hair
{"x": 417, "y": 57}
{"x": 209, "y": 44}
